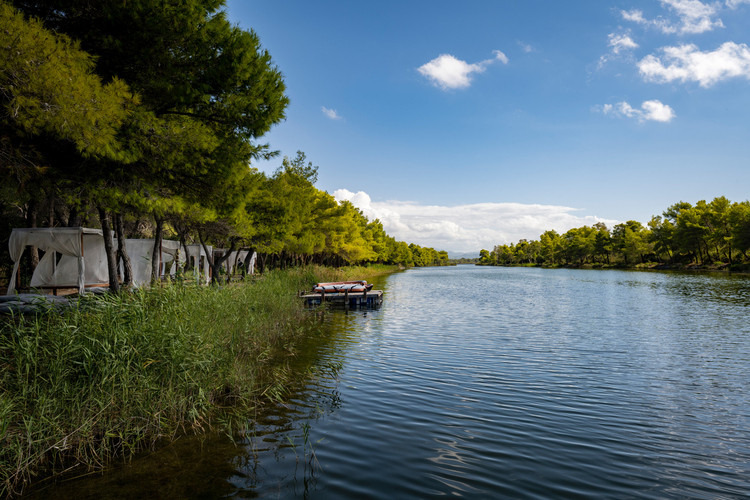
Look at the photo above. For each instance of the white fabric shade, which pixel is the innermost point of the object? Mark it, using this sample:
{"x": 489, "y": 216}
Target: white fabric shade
{"x": 68, "y": 241}
{"x": 82, "y": 259}
{"x": 237, "y": 257}
{"x": 141, "y": 251}
{"x": 197, "y": 257}
{"x": 65, "y": 273}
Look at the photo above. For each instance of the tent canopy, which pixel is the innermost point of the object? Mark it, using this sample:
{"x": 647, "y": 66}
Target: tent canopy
{"x": 74, "y": 257}
{"x": 71, "y": 242}
{"x": 141, "y": 252}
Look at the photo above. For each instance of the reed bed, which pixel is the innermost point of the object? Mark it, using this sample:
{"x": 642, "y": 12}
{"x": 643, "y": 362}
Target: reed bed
{"x": 109, "y": 377}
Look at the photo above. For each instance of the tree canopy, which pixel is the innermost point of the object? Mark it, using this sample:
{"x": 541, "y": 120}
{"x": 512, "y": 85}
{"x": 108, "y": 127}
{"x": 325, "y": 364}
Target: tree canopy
{"x": 157, "y": 110}
{"x": 707, "y": 232}
{"x": 50, "y": 92}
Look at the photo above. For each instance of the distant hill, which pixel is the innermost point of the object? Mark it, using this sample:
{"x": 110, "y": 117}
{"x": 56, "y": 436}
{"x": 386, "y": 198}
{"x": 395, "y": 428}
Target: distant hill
{"x": 463, "y": 255}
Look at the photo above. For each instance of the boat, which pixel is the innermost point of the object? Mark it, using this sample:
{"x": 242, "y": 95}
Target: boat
{"x": 342, "y": 286}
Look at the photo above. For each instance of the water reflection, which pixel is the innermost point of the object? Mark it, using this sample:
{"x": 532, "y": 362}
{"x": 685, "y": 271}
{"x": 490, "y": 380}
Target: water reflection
{"x": 274, "y": 451}
{"x": 494, "y": 383}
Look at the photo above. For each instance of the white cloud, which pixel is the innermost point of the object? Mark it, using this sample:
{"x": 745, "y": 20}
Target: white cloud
{"x": 656, "y": 111}
{"x": 499, "y": 56}
{"x": 694, "y": 17}
{"x": 447, "y": 72}
{"x": 330, "y": 113}
{"x": 467, "y": 228}
{"x": 733, "y": 4}
{"x": 621, "y": 42}
{"x": 688, "y": 64}
{"x": 649, "y": 111}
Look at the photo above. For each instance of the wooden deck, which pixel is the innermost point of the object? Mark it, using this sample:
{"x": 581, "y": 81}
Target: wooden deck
{"x": 373, "y": 298}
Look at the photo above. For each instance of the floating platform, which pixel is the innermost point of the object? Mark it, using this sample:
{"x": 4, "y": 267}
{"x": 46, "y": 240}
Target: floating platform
{"x": 371, "y": 299}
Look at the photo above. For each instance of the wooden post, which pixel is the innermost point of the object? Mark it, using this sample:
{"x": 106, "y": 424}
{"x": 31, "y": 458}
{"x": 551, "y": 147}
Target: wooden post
{"x": 346, "y": 298}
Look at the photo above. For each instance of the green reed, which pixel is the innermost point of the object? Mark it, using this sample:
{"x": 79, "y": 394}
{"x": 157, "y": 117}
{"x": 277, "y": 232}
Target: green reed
{"x": 109, "y": 377}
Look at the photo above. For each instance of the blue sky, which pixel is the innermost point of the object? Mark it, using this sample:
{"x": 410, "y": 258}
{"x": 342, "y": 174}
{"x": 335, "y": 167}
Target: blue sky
{"x": 462, "y": 125}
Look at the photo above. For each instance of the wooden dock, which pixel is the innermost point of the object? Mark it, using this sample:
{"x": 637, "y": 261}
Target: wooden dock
{"x": 371, "y": 299}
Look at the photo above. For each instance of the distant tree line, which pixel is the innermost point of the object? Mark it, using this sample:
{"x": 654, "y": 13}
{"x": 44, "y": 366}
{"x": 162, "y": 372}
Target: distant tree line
{"x": 704, "y": 233}
{"x": 144, "y": 118}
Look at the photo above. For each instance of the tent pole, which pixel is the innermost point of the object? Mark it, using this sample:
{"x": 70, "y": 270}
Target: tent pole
{"x": 79, "y": 265}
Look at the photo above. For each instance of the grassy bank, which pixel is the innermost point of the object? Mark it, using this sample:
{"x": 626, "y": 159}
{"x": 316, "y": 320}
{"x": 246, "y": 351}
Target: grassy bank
{"x": 110, "y": 377}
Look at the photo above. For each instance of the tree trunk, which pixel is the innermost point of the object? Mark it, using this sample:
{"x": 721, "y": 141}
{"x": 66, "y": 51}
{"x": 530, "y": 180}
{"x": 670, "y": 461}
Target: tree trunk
{"x": 31, "y": 221}
{"x": 74, "y": 219}
{"x": 216, "y": 263}
{"x": 156, "y": 254}
{"x": 109, "y": 249}
{"x": 51, "y": 216}
{"x": 61, "y": 215}
{"x": 122, "y": 254}
{"x": 134, "y": 230}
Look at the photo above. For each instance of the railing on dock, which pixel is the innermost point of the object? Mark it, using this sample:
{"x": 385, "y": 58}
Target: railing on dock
{"x": 372, "y": 299}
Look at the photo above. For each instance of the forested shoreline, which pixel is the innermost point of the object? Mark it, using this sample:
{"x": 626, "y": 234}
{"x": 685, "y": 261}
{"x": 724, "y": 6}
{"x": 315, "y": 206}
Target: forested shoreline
{"x": 715, "y": 234}
{"x": 144, "y": 119}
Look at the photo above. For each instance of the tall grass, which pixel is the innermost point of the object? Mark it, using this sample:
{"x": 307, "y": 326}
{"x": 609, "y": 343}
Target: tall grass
{"x": 351, "y": 272}
{"x": 109, "y": 377}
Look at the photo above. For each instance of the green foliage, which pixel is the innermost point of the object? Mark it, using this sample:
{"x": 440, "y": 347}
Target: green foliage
{"x": 297, "y": 223}
{"x": 683, "y": 234}
{"x": 49, "y": 91}
{"x": 207, "y": 92}
{"x": 113, "y": 375}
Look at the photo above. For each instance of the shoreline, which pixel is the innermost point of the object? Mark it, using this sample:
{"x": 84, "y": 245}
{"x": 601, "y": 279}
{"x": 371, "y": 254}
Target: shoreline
{"x": 719, "y": 268}
{"x": 99, "y": 382}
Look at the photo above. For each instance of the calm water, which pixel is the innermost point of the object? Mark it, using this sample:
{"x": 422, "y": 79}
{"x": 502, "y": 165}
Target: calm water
{"x": 495, "y": 383}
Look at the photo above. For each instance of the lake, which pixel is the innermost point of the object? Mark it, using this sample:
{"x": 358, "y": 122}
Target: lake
{"x": 493, "y": 383}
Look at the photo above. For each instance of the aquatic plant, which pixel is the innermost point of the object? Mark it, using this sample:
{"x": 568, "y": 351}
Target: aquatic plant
{"x": 111, "y": 376}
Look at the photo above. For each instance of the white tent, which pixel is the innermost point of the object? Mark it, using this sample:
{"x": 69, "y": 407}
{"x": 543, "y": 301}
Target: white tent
{"x": 196, "y": 256}
{"x": 74, "y": 244}
{"x": 74, "y": 257}
{"x": 141, "y": 251}
{"x": 239, "y": 257}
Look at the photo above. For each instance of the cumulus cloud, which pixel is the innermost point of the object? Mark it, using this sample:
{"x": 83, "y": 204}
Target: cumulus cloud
{"x": 693, "y": 16}
{"x": 448, "y": 72}
{"x": 686, "y": 63}
{"x": 733, "y": 4}
{"x": 330, "y": 113}
{"x": 649, "y": 111}
{"x": 467, "y": 228}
